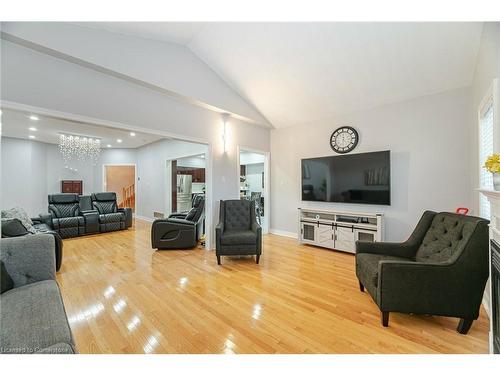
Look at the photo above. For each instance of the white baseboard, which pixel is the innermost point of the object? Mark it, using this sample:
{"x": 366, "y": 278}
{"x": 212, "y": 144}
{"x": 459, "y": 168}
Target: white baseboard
{"x": 283, "y": 233}
{"x": 144, "y": 218}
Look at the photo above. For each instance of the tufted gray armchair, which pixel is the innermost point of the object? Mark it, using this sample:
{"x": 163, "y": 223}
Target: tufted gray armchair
{"x": 440, "y": 270}
{"x": 238, "y": 232}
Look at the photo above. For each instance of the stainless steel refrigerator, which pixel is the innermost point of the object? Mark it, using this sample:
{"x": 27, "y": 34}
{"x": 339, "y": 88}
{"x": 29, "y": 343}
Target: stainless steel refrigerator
{"x": 184, "y": 192}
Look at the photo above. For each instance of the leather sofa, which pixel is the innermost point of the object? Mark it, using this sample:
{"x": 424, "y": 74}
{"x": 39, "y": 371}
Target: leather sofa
{"x": 111, "y": 217}
{"x": 440, "y": 270}
{"x": 66, "y": 218}
{"x": 180, "y": 230}
{"x": 33, "y": 318}
{"x": 238, "y": 232}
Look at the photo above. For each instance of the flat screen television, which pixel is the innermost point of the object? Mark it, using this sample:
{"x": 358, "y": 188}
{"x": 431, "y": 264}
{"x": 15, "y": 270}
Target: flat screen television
{"x": 355, "y": 178}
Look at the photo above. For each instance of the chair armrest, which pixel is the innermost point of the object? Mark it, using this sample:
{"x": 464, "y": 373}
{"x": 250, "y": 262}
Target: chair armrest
{"x": 178, "y": 215}
{"x": 180, "y": 221}
{"x": 83, "y": 212}
{"x": 386, "y": 248}
{"x": 257, "y": 229}
{"x": 407, "y": 286}
{"x": 29, "y": 259}
{"x": 43, "y": 219}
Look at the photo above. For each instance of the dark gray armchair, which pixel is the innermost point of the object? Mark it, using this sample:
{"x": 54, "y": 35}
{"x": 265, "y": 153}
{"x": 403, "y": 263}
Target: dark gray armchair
{"x": 181, "y": 230}
{"x": 238, "y": 232}
{"x": 441, "y": 269}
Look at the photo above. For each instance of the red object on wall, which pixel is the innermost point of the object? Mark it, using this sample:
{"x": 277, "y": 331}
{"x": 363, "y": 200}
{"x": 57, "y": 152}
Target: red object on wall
{"x": 462, "y": 210}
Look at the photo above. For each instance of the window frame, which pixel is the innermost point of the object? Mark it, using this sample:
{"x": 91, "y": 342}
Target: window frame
{"x": 490, "y": 98}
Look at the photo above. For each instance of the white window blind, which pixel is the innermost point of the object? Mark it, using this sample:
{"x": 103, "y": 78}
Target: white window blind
{"x": 485, "y": 150}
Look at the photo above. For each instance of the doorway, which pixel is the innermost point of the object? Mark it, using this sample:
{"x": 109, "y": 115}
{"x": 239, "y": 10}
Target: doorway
{"x": 121, "y": 180}
{"x": 253, "y": 174}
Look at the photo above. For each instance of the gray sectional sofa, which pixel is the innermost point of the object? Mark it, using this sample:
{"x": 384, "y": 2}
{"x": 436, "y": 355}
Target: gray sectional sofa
{"x": 32, "y": 314}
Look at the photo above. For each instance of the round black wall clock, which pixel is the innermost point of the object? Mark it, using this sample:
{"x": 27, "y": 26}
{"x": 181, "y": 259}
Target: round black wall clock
{"x": 344, "y": 139}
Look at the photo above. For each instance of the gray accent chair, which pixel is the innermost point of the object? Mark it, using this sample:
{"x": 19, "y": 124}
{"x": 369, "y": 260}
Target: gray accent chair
{"x": 441, "y": 269}
{"x": 66, "y": 218}
{"x": 111, "y": 217}
{"x": 180, "y": 230}
{"x": 238, "y": 232}
{"x": 33, "y": 318}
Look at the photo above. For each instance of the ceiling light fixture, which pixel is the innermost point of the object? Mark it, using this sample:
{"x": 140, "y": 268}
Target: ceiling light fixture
{"x": 108, "y": 145}
{"x": 119, "y": 140}
{"x": 33, "y": 118}
{"x": 132, "y": 134}
{"x": 32, "y": 137}
{"x": 78, "y": 147}
{"x": 32, "y": 129}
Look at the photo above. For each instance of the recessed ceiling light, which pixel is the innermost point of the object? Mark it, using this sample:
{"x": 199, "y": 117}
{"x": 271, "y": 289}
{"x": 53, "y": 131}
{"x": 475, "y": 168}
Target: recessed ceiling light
{"x": 119, "y": 140}
{"x": 34, "y": 118}
{"x": 32, "y": 137}
{"x": 32, "y": 129}
{"x": 108, "y": 146}
{"x": 132, "y": 134}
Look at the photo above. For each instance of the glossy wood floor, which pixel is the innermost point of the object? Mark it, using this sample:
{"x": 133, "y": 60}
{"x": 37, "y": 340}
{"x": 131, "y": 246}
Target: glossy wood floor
{"x": 121, "y": 296}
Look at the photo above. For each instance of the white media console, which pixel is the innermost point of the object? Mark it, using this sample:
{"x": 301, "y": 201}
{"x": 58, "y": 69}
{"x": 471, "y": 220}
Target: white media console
{"x": 339, "y": 230}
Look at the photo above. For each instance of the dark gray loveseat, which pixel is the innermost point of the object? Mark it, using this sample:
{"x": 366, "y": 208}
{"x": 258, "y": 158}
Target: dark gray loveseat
{"x": 32, "y": 314}
{"x": 440, "y": 270}
{"x": 238, "y": 232}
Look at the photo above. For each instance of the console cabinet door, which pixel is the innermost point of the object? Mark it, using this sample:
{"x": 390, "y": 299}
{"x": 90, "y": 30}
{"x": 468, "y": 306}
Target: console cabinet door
{"x": 308, "y": 232}
{"x": 326, "y": 236}
{"x": 345, "y": 239}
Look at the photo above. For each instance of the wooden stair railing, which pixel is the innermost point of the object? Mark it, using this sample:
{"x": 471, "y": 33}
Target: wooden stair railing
{"x": 128, "y": 197}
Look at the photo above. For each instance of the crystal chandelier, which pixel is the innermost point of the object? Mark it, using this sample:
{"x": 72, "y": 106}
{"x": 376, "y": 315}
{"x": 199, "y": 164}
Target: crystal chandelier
{"x": 80, "y": 148}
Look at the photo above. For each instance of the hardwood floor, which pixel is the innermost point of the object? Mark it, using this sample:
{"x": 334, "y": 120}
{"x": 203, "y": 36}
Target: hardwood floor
{"x": 121, "y": 296}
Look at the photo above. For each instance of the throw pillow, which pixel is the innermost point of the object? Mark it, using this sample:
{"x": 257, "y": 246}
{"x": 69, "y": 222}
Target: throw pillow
{"x": 19, "y": 213}
{"x": 6, "y": 282}
{"x": 13, "y": 228}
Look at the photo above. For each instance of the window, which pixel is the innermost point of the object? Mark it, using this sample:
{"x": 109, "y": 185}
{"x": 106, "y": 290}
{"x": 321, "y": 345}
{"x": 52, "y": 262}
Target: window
{"x": 486, "y": 148}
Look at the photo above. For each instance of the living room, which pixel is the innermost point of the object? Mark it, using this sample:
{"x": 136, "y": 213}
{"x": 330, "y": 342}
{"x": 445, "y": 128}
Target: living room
{"x": 245, "y": 188}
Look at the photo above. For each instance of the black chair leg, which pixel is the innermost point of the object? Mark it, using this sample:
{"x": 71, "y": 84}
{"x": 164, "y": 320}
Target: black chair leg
{"x": 384, "y": 315}
{"x": 218, "y": 260}
{"x": 257, "y": 258}
{"x": 361, "y": 287}
{"x": 464, "y": 326}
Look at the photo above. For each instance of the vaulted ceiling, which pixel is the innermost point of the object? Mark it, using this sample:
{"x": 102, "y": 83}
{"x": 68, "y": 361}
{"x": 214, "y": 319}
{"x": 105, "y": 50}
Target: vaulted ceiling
{"x": 296, "y": 73}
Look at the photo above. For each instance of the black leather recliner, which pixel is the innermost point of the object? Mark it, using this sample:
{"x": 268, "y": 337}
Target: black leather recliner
{"x": 179, "y": 230}
{"x": 111, "y": 217}
{"x": 238, "y": 232}
{"x": 66, "y": 218}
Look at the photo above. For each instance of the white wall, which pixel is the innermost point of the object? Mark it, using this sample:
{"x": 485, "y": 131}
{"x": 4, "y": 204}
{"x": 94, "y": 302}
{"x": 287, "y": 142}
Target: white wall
{"x": 36, "y": 79}
{"x": 430, "y": 148}
{"x": 154, "y": 187}
{"x": 23, "y": 175}
{"x": 39, "y": 168}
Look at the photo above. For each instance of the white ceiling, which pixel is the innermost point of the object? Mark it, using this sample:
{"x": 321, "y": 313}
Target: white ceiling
{"x": 172, "y": 32}
{"x": 296, "y": 73}
{"x": 16, "y": 124}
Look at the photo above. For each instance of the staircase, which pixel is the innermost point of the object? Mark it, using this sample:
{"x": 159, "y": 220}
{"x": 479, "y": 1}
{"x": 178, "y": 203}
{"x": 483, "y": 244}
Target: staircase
{"x": 128, "y": 197}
